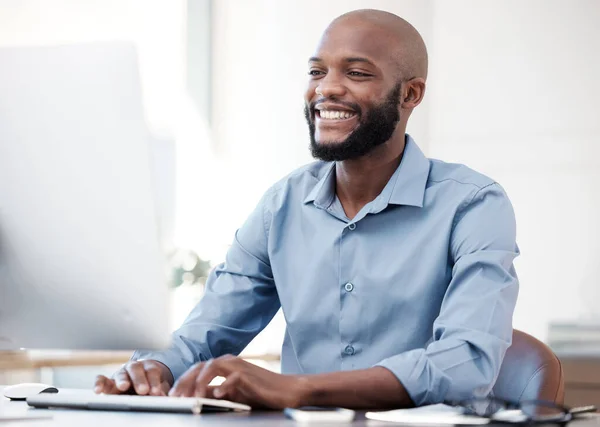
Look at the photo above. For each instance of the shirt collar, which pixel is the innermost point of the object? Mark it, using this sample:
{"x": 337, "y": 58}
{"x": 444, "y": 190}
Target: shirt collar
{"x": 324, "y": 190}
{"x": 405, "y": 187}
{"x": 410, "y": 178}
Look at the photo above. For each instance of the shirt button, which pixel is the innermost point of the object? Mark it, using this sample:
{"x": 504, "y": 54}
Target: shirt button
{"x": 352, "y": 226}
{"x": 349, "y": 350}
{"x": 348, "y": 287}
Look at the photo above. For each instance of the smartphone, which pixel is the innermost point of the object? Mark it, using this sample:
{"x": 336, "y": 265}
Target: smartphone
{"x": 319, "y": 414}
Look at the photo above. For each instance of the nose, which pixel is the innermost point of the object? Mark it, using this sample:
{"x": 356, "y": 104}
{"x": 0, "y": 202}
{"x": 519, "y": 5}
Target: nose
{"x": 330, "y": 87}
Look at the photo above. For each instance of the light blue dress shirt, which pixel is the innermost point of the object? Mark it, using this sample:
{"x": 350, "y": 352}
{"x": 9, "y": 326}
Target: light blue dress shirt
{"x": 420, "y": 282}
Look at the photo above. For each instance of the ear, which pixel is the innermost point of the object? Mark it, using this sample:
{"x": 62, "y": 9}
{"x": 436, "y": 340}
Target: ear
{"x": 413, "y": 93}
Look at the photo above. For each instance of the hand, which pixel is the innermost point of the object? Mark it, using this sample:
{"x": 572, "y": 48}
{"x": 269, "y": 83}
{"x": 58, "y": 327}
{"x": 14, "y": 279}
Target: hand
{"x": 143, "y": 377}
{"x": 244, "y": 383}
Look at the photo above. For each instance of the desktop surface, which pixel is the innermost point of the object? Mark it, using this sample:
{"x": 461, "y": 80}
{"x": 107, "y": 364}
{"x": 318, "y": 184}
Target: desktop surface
{"x": 70, "y": 417}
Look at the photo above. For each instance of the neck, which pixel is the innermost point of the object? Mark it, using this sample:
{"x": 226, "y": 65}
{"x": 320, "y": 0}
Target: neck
{"x": 359, "y": 181}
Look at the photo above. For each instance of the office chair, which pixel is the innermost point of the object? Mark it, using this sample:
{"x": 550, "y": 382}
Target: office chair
{"x": 530, "y": 371}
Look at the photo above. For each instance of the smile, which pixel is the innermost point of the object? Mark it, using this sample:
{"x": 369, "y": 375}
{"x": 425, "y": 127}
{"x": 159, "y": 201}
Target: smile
{"x": 334, "y": 114}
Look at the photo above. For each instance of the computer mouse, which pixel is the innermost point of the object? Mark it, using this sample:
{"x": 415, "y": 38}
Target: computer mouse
{"x": 22, "y": 391}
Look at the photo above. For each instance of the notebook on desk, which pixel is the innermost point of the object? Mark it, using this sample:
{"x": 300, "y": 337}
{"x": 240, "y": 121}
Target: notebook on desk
{"x": 190, "y": 405}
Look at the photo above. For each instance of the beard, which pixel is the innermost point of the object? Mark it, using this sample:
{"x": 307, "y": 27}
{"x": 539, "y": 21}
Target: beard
{"x": 374, "y": 130}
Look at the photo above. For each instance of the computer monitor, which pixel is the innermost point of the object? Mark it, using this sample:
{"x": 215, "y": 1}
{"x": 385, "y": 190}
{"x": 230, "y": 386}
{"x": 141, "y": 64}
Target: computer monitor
{"x": 81, "y": 266}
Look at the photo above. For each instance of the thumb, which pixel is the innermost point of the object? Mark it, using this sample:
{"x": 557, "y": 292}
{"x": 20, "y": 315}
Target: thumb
{"x": 105, "y": 385}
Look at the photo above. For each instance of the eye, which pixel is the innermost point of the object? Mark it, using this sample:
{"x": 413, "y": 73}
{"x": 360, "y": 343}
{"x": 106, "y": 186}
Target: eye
{"x": 358, "y": 74}
{"x": 315, "y": 73}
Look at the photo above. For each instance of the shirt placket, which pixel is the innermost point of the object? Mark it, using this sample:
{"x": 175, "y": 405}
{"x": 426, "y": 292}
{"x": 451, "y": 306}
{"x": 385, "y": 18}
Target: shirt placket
{"x": 349, "y": 345}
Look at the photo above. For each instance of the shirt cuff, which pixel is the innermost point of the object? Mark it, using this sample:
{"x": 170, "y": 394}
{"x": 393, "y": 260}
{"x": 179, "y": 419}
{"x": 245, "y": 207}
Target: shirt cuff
{"x": 424, "y": 383}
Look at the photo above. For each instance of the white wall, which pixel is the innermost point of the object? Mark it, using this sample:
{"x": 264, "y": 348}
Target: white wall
{"x": 513, "y": 93}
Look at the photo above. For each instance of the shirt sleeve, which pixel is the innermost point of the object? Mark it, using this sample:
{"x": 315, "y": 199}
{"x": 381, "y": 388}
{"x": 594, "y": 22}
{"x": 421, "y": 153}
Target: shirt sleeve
{"x": 474, "y": 327}
{"x": 240, "y": 299}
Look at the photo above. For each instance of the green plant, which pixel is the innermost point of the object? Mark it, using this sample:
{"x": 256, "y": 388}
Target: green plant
{"x": 188, "y": 268}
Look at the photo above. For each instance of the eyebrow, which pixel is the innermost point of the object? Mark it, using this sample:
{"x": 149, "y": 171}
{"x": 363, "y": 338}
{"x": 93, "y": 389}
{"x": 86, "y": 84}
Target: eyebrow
{"x": 349, "y": 60}
{"x": 359, "y": 59}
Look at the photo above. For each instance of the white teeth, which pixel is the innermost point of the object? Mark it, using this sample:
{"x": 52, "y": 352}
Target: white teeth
{"x": 335, "y": 115}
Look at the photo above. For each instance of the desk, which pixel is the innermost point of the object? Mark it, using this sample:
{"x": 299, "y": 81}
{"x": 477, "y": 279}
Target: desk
{"x": 76, "y": 418}
{"x": 26, "y": 361}
{"x": 24, "y": 366}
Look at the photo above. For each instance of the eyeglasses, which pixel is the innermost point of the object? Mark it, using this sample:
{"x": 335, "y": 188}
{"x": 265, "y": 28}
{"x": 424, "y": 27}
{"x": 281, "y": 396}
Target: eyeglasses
{"x": 526, "y": 411}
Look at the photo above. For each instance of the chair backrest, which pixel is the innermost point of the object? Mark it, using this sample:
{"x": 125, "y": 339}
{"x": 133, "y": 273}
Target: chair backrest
{"x": 530, "y": 371}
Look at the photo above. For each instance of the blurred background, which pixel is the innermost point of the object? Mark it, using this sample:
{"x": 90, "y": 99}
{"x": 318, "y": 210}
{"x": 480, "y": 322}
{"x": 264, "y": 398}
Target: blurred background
{"x": 513, "y": 92}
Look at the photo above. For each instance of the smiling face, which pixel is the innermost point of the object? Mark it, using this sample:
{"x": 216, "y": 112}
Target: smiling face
{"x": 352, "y": 99}
{"x": 358, "y": 79}
{"x": 369, "y": 131}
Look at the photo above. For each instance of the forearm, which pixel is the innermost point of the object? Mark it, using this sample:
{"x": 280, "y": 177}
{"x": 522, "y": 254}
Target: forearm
{"x": 373, "y": 388}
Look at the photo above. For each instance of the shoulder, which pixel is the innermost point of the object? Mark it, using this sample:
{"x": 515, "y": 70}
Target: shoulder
{"x": 482, "y": 210}
{"x": 463, "y": 188}
{"x": 457, "y": 176}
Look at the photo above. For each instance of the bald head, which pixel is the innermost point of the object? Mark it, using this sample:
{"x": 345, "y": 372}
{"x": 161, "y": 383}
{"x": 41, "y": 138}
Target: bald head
{"x": 406, "y": 46}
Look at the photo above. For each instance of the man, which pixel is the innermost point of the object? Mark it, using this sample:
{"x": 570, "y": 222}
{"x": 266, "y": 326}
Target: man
{"x": 394, "y": 272}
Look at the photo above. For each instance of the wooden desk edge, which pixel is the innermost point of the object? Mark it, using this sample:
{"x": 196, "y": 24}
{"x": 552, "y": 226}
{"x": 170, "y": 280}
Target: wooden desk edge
{"x": 25, "y": 362}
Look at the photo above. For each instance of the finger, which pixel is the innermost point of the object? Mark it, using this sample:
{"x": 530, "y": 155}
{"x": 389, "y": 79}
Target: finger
{"x": 244, "y": 390}
{"x": 238, "y": 393}
{"x": 165, "y": 386}
{"x": 122, "y": 380}
{"x": 233, "y": 395}
{"x": 185, "y": 383}
{"x": 138, "y": 378}
{"x": 100, "y": 383}
{"x": 210, "y": 390}
{"x": 104, "y": 385}
{"x": 154, "y": 380}
{"x": 208, "y": 373}
{"x": 228, "y": 388}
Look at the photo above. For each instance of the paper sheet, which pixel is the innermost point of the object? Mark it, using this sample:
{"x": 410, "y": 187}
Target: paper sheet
{"x": 430, "y": 415}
